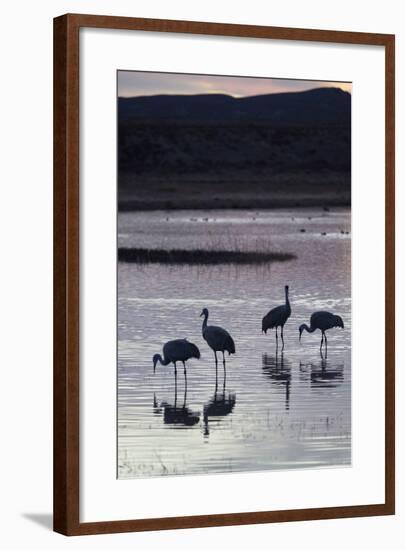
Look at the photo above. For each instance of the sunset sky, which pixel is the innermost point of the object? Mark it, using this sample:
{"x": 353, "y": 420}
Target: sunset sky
{"x": 138, "y": 83}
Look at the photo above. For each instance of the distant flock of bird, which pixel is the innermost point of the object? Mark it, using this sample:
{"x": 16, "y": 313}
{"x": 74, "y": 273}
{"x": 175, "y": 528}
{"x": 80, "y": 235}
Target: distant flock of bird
{"x": 219, "y": 339}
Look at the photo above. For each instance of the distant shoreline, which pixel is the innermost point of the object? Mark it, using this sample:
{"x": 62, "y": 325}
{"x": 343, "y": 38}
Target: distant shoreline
{"x": 281, "y": 191}
{"x": 270, "y": 203}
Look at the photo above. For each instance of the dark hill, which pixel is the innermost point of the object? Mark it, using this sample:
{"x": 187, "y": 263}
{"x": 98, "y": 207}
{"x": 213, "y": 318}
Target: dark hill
{"x": 174, "y": 148}
{"x": 318, "y": 106}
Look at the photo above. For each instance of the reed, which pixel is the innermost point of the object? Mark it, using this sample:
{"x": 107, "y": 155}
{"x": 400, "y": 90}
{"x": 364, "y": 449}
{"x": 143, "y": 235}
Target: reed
{"x": 200, "y": 256}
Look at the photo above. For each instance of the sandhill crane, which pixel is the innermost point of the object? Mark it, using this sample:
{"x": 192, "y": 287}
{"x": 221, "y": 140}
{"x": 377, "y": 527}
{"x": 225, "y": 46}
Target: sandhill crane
{"x": 218, "y": 339}
{"x": 322, "y": 320}
{"x": 277, "y": 317}
{"x": 177, "y": 350}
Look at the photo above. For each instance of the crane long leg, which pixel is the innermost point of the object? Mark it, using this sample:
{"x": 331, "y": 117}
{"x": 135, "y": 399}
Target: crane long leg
{"x": 282, "y": 337}
{"x": 276, "y": 339}
{"x": 175, "y": 385}
{"x": 185, "y": 395}
{"x": 223, "y": 357}
{"x": 185, "y": 375}
{"x": 326, "y": 346}
{"x": 320, "y": 348}
{"x": 216, "y": 370}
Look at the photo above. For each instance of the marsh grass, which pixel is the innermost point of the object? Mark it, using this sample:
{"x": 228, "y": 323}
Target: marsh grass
{"x": 200, "y": 256}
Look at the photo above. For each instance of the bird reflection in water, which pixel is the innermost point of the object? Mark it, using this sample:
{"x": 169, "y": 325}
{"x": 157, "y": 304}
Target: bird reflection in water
{"x": 175, "y": 414}
{"x": 278, "y": 370}
{"x": 324, "y": 374}
{"x": 218, "y": 406}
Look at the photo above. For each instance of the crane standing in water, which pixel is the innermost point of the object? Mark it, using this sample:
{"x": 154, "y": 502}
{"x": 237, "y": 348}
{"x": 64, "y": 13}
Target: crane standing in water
{"x": 174, "y": 351}
{"x": 322, "y": 320}
{"x": 218, "y": 339}
{"x": 277, "y": 317}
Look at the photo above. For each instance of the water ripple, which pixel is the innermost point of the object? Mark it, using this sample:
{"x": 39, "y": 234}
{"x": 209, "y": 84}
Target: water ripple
{"x": 274, "y": 411}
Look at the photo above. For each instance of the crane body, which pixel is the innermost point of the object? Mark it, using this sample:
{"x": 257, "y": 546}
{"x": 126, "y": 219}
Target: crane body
{"x": 277, "y": 317}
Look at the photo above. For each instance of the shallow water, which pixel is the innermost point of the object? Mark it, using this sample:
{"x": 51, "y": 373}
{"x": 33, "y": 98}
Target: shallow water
{"x": 276, "y": 411}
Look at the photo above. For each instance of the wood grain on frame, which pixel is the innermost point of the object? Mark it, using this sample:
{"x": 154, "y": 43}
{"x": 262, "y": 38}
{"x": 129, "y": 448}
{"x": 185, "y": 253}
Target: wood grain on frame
{"x": 66, "y": 274}
{"x": 66, "y": 277}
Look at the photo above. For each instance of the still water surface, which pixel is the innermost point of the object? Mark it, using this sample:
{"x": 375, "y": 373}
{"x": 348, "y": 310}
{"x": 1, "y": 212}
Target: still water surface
{"x": 276, "y": 411}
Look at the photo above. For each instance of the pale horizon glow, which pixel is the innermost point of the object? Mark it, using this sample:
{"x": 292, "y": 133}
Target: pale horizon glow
{"x": 140, "y": 83}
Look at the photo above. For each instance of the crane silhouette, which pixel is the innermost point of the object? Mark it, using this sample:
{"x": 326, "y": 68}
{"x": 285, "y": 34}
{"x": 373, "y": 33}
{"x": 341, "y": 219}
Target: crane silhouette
{"x": 174, "y": 351}
{"x": 218, "y": 339}
{"x": 277, "y": 317}
{"x": 322, "y": 320}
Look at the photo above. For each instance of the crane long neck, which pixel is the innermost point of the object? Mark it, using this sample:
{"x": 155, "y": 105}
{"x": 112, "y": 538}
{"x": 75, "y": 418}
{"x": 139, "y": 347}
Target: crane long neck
{"x": 287, "y": 301}
{"x": 163, "y": 361}
{"x": 204, "y": 325}
{"x": 308, "y": 329}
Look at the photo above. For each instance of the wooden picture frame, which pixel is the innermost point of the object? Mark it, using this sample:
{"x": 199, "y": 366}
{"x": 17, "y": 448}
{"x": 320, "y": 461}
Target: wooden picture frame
{"x": 67, "y": 284}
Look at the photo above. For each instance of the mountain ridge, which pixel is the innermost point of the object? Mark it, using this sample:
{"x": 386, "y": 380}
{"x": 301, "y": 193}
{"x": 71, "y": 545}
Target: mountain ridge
{"x": 315, "y": 106}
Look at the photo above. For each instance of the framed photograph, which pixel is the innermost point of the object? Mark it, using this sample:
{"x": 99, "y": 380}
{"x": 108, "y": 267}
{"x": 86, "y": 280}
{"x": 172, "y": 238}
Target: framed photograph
{"x": 223, "y": 274}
